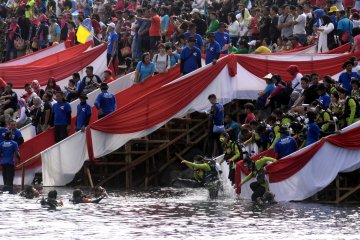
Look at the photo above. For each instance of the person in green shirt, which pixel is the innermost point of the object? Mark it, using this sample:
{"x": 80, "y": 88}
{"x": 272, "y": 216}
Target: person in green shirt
{"x": 232, "y": 154}
{"x": 205, "y": 173}
{"x": 351, "y": 109}
{"x": 260, "y": 186}
{"x": 214, "y": 24}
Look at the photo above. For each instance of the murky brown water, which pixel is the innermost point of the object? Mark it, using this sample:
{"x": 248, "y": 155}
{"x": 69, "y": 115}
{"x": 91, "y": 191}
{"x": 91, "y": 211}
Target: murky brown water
{"x": 174, "y": 214}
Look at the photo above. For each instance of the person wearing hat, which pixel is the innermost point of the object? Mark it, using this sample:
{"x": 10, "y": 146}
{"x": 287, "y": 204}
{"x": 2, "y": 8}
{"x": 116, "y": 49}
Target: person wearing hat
{"x": 223, "y": 38}
{"x": 108, "y": 78}
{"x": 232, "y": 154}
{"x": 257, "y": 170}
{"x": 263, "y": 95}
{"x": 200, "y": 23}
{"x": 190, "y": 57}
{"x": 286, "y": 144}
{"x": 83, "y": 113}
{"x": 112, "y": 43}
{"x": 213, "y": 49}
{"x": 199, "y": 43}
{"x": 345, "y": 77}
{"x": 9, "y": 148}
{"x": 105, "y": 102}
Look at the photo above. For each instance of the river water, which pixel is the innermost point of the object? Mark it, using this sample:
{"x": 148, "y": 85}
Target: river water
{"x": 168, "y": 213}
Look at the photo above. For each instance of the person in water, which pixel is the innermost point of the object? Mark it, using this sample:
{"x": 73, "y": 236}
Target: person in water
{"x": 100, "y": 192}
{"x": 260, "y": 186}
{"x": 80, "y": 197}
{"x": 30, "y": 192}
{"x": 51, "y": 200}
{"x": 205, "y": 173}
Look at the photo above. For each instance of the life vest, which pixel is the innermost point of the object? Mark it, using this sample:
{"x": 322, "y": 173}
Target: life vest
{"x": 212, "y": 175}
{"x": 230, "y": 145}
{"x": 347, "y": 110}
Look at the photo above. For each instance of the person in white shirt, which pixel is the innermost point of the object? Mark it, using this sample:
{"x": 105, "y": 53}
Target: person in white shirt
{"x": 325, "y": 29}
{"x": 234, "y": 29}
{"x": 161, "y": 60}
{"x": 299, "y": 24}
{"x": 295, "y": 73}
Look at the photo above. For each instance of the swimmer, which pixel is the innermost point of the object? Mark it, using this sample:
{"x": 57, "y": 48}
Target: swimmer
{"x": 51, "y": 201}
{"x": 100, "y": 192}
{"x": 79, "y": 197}
{"x": 30, "y": 192}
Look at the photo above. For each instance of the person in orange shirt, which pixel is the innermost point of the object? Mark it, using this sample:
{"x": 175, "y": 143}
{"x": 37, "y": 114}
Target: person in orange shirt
{"x": 155, "y": 28}
{"x": 108, "y": 78}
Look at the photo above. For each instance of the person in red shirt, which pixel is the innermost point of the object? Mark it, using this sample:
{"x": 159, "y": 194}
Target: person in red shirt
{"x": 155, "y": 28}
{"x": 108, "y": 78}
{"x": 250, "y": 116}
{"x": 71, "y": 35}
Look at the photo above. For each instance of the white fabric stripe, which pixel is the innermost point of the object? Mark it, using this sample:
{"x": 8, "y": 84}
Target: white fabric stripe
{"x": 36, "y": 56}
{"x": 294, "y": 57}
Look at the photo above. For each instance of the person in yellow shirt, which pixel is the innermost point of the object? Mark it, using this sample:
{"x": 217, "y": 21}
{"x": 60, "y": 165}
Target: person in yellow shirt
{"x": 263, "y": 49}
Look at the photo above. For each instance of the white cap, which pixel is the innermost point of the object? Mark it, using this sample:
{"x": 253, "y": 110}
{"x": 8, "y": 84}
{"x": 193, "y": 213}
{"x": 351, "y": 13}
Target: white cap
{"x": 112, "y": 25}
{"x": 195, "y": 10}
{"x": 268, "y": 76}
{"x": 252, "y": 43}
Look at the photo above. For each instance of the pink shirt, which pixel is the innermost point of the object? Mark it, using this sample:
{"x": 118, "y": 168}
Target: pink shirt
{"x": 250, "y": 117}
{"x": 357, "y": 43}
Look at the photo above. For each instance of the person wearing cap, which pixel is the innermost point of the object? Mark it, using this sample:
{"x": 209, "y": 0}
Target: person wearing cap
{"x": 232, "y": 154}
{"x": 223, "y": 38}
{"x": 62, "y": 117}
{"x": 345, "y": 77}
{"x": 213, "y": 49}
{"x": 257, "y": 170}
{"x": 200, "y": 23}
{"x": 83, "y": 114}
{"x": 286, "y": 144}
{"x": 105, "y": 102}
{"x": 112, "y": 43}
{"x": 9, "y": 148}
{"x": 199, "y": 43}
{"x": 190, "y": 57}
{"x": 108, "y": 78}
{"x": 263, "y": 95}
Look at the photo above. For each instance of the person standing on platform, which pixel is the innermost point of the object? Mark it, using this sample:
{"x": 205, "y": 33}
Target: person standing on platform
{"x": 83, "y": 114}
{"x": 223, "y": 38}
{"x": 112, "y": 44}
{"x": 16, "y": 133}
{"x": 62, "y": 117}
{"x": 213, "y": 49}
{"x": 105, "y": 102}
{"x": 9, "y": 148}
{"x": 216, "y": 125}
{"x": 190, "y": 58}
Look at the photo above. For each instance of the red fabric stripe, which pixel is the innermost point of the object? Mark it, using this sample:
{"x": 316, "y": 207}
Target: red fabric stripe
{"x": 21, "y": 75}
{"x": 341, "y": 49}
{"x": 261, "y": 67}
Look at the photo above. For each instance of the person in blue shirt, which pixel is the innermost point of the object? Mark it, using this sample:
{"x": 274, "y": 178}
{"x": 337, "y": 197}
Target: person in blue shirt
{"x": 87, "y": 6}
{"x": 83, "y": 114}
{"x": 62, "y": 117}
{"x": 174, "y": 56}
{"x": 223, "y": 38}
{"x": 190, "y": 57}
{"x": 144, "y": 69}
{"x": 345, "y": 77}
{"x": 213, "y": 49}
{"x": 312, "y": 129}
{"x": 89, "y": 83}
{"x": 165, "y": 20}
{"x": 216, "y": 125}
{"x": 112, "y": 41}
{"x": 286, "y": 144}
{"x": 199, "y": 43}
{"x": 9, "y": 148}
{"x": 231, "y": 127}
{"x": 105, "y": 102}
{"x": 3, "y": 130}
{"x": 324, "y": 98}
{"x": 344, "y": 25}
{"x": 15, "y": 133}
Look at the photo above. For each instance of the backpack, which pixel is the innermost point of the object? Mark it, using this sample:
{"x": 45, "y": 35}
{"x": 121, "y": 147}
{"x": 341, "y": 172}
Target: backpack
{"x": 167, "y": 59}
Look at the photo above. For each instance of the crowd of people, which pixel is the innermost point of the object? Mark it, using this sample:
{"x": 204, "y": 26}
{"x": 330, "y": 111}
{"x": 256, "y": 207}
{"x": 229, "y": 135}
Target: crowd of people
{"x": 285, "y": 117}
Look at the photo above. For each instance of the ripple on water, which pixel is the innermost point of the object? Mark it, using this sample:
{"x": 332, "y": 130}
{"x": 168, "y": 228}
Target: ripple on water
{"x": 174, "y": 214}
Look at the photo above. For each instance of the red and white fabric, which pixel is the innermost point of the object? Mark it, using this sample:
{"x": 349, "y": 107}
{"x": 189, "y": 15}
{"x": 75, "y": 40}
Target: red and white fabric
{"x": 35, "y": 56}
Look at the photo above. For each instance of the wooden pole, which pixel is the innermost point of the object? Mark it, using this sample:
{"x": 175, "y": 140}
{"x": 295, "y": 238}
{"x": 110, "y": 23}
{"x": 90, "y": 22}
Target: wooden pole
{"x": 89, "y": 176}
{"x": 23, "y": 177}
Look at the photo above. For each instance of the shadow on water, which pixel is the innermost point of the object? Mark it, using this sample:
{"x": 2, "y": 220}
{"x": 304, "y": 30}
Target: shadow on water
{"x": 168, "y": 213}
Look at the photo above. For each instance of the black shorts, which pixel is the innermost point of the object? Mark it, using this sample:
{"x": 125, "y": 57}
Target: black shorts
{"x": 154, "y": 41}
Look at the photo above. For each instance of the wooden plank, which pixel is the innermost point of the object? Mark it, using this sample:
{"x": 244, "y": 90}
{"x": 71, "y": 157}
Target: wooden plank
{"x": 348, "y": 194}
